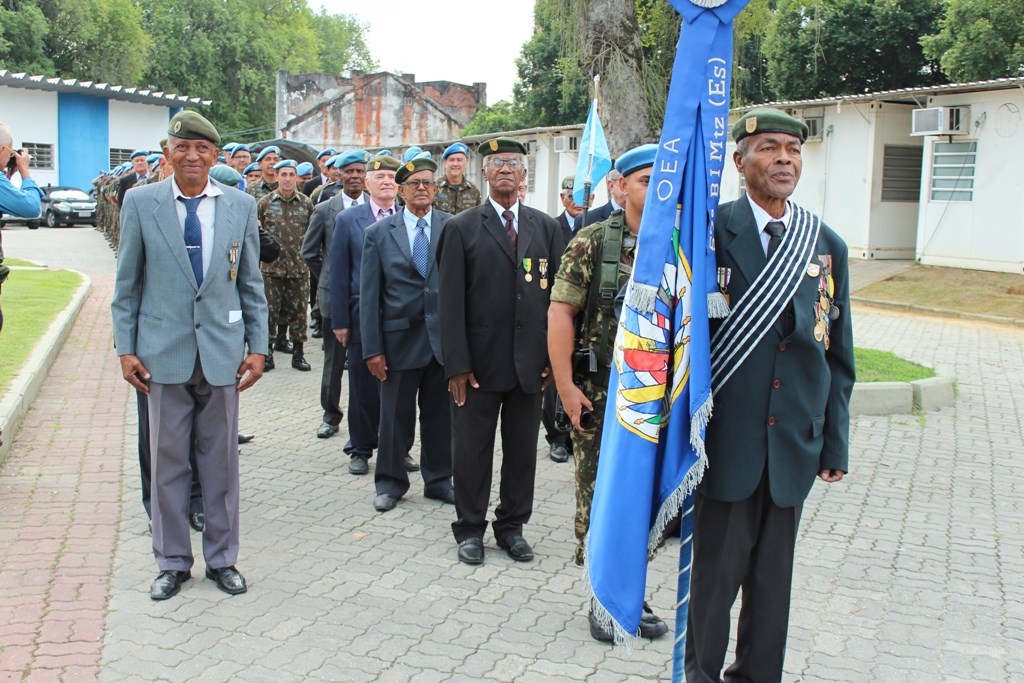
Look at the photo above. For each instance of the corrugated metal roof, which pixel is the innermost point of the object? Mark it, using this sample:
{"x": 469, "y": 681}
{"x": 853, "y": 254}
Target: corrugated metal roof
{"x": 910, "y": 95}
{"x": 113, "y": 92}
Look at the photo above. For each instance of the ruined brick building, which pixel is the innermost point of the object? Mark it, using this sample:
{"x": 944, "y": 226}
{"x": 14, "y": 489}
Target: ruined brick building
{"x": 372, "y": 110}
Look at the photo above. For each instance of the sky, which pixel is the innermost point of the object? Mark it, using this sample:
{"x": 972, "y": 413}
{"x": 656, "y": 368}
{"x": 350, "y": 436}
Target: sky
{"x": 464, "y": 41}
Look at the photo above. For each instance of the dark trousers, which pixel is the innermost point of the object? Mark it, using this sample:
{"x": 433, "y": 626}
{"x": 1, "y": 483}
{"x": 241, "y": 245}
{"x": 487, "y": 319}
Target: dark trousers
{"x": 195, "y": 499}
{"x": 330, "y": 379}
{"x": 748, "y": 544}
{"x": 476, "y": 424}
{"x": 399, "y": 395}
{"x": 363, "y": 403}
{"x": 553, "y": 434}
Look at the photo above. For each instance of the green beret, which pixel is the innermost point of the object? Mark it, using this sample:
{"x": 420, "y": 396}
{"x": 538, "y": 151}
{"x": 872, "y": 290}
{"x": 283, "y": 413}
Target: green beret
{"x": 414, "y": 166}
{"x": 766, "y": 120}
{"x": 501, "y": 145}
{"x": 190, "y": 125}
{"x": 384, "y": 163}
{"x": 567, "y": 183}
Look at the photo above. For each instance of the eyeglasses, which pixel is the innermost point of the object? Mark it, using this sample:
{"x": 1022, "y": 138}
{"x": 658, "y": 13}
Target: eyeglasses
{"x": 419, "y": 183}
{"x": 496, "y": 163}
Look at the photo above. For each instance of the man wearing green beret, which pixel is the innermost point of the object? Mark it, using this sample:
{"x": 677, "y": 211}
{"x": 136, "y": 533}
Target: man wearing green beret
{"x": 497, "y": 262}
{"x": 190, "y": 327}
{"x": 401, "y": 332}
{"x": 782, "y": 373}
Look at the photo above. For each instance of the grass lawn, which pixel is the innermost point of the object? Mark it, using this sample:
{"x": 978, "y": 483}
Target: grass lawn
{"x": 954, "y": 289}
{"x": 882, "y": 366}
{"x": 31, "y": 299}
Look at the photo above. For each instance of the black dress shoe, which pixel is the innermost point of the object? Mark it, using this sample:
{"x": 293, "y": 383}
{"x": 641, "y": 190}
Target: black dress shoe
{"x": 446, "y": 496}
{"x": 384, "y": 502}
{"x": 168, "y": 583}
{"x": 245, "y": 438}
{"x": 317, "y": 333}
{"x": 197, "y": 520}
{"x": 283, "y": 346}
{"x": 651, "y": 626}
{"x": 559, "y": 453}
{"x": 228, "y": 579}
{"x": 471, "y": 551}
{"x": 599, "y": 632}
{"x": 326, "y": 430}
{"x": 358, "y": 464}
{"x": 411, "y": 465}
{"x": 516, "y": 547}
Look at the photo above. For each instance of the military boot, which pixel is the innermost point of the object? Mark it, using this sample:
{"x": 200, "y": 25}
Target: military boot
{"x": 281, "y": 344}
{"x": 298, "y": 362}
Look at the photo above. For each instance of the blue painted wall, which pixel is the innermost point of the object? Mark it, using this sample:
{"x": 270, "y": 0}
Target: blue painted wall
{"x": 83, "y": 125}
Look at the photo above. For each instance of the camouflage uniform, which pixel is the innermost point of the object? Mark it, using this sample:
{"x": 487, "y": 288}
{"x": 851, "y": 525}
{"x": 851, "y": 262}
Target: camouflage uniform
{"x": 286, "y": 280}
{"x": 456, "y": 198}
{"x": 572, "y": 286}
{"x": 260, "y": 189}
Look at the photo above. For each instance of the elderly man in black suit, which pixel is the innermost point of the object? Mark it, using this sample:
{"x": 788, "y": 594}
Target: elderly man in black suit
{"x": 497, "y": 262}
{"x": 401, "y": 332}
{"x": 782, "y": 414}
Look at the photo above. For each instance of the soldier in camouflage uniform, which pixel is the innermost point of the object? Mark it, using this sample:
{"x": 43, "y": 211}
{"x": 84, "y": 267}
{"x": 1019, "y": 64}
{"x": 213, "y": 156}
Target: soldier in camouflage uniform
{"x": 571, "y": 295}
{"x": 284, "y": 213}
{"x": 268, "y": 158}
{"x": 455, "y": 192}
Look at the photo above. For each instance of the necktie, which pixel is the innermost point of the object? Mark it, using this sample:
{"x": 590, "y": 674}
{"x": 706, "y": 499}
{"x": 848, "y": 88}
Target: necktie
{"x": 421, "y": 247}
{"x": 775, "y": 229}
{"x": 383, "y": 213}
{"x": 510, "y": 227}
{"x": 194, "y": 235}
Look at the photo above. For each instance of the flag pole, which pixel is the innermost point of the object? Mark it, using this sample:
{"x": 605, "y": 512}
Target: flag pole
{"x": 589, "y": 181}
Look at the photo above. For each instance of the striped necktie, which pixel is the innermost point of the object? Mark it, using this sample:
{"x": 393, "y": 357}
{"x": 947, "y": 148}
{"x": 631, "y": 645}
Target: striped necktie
{"x": 510, "y": 227}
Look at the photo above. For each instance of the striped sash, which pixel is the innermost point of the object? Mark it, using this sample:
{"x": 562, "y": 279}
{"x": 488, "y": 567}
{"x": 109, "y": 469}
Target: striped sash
{"x": 766, "y": 299}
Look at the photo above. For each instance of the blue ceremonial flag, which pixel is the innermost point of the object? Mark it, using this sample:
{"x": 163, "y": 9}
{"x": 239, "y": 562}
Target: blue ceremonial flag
{"x": 659, "y": 393}
{"x": 595, "y": 160}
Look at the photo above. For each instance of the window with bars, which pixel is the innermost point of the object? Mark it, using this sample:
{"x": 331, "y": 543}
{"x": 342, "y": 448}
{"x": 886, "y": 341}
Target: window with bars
{"x": 40, "y": 155}
{"x": 119, "y": 155}
{"x": 531, "y": 158}
{"x": 953, "y": 171}
{"x": 901, "y": 173}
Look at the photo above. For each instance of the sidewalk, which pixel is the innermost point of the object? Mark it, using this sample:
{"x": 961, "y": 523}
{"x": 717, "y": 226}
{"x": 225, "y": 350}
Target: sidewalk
{"x": 909, "y": 570}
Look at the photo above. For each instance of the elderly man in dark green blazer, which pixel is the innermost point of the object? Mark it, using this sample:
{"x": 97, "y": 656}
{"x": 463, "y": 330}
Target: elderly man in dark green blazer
{"x": 782, "y": 373}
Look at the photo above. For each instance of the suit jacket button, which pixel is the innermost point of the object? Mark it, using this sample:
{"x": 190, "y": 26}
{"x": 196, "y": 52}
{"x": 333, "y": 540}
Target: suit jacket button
{"x": 782, "y": 347}
{"x": 771, "y": 421}
{"x": 519, "y": 296}
{"x": 197, "y": 326}
{"x": 776, "y": 384}
{"x": 198, "y": 299}
{"x": 519, "y": 326}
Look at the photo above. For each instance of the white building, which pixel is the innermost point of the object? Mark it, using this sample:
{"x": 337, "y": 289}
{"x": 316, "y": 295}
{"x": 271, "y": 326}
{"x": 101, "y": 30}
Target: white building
{"x": 74, "y": 129}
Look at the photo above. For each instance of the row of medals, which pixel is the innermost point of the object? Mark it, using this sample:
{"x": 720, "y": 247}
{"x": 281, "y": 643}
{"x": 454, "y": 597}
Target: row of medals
{"x": 542, "y": 266}
{"x": 825, "y": 310}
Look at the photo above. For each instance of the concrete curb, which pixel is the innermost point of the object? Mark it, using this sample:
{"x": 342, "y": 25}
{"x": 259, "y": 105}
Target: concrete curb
{"x": 16, "y": 401}
{"x": 940, "y": 312}
{"x": 897, "y": 398}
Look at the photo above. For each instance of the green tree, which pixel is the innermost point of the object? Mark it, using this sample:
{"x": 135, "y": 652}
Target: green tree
{"x": 500, "y": 116}
{"x": 341, "y": 43}
{"x": 23, "y": 30}
{"x": 819, "y": 48}
{"x": 98, "y": 40}
{"x": 979, "y": 40}
{"x": 749, "y": 64}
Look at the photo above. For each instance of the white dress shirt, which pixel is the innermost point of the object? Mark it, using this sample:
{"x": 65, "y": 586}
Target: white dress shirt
{"x": 763, "y": 218}
{"x": 501, "y": 209}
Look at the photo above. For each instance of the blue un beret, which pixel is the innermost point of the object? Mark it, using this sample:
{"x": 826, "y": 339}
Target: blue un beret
{"x": 239, "y": 148}
{"x": 156, "y": 156}
{"x": 230, "y": 147}
{"x": 636, "y": 158}
{"x": 352, "y": 156}
{"x": 411, "y": 153}
{"x": 226, "y": 175}
{"x": 457, "y": 148}
{"x": 251, "y": 167}
{"x": 384, "y": 153}
{"x": 305, "y": 168}
{"x": 287, "y": 163}
{"x": 139, "y": 153}
{"x": 267, "y": 150}
{"x": 329, "y": 152}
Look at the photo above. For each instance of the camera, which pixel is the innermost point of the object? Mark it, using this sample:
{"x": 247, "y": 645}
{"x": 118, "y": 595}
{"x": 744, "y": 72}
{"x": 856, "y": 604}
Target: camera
{"x": 12, "y": 163}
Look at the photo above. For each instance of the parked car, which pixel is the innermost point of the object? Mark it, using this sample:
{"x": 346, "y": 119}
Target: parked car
{"x": 67, "y": 206}
{"x": 59, "y": 205}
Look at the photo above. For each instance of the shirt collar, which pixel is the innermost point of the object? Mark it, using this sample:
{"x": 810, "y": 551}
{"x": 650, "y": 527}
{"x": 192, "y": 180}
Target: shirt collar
{"x": 501, "y": 209}
{"x": 763, "y": 218}
{"x": 411, "y": 219}
{"x": 376, "y": 208}
{"x": 210, "y": 190}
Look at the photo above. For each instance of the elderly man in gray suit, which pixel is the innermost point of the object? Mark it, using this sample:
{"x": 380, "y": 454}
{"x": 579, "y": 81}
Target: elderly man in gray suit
{"x": 401, "y": 332}
{"x": 188, "y": 298}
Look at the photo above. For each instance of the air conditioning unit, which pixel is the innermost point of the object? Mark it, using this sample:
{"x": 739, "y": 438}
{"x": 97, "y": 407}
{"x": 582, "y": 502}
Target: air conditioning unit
{"x": 565, "y": 143}
{"x": 941, "y": 121}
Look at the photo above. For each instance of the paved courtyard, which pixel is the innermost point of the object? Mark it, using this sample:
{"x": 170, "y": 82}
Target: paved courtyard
{"x": 911, "y": 569}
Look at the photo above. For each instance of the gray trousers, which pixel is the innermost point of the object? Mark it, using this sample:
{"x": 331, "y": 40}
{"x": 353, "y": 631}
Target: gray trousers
{"x": 748, "y": 544}
{"x": 179, "y": 413}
